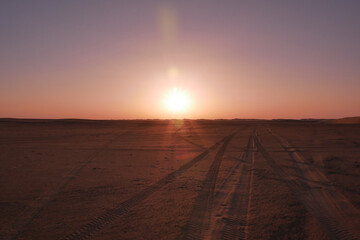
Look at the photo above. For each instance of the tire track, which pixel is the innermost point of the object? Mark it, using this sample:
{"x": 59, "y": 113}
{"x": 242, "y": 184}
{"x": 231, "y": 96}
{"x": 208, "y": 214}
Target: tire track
{"x": 232, "y": 201}
{"x": 191, "y": 142}
{"x": 338, "y": 217}
{"x": 177, "y": 133}
{"x": 202, "y": 208}
{"x": 33, "y": 210}
{"x": 188, "y": 140}
{"x": 292, "y": 182}
{"x": 95, "y": 225}
{"x": 237, "y": 215}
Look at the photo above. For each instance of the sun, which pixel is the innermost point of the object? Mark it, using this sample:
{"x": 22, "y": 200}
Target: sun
{"x": 177, "y": 101}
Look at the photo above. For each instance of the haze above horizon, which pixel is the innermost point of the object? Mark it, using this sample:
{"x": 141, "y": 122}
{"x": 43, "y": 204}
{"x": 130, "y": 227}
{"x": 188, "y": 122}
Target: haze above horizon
{"x": 179, "y": 59}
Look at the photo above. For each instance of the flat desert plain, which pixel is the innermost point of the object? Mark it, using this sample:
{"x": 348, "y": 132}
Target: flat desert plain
{"x": 179, "y": 179}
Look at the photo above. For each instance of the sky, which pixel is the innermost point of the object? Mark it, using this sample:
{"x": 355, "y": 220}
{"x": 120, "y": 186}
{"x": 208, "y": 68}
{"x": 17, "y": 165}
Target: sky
{"x": 231, "y": 59}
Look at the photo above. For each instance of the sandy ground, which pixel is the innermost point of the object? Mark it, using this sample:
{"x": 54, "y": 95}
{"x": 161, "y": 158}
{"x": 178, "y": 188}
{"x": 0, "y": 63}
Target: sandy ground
{"x": 79, "y": 179}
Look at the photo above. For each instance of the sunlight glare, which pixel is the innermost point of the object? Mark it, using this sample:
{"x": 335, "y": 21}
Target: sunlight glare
{"x": 177, "y": 101}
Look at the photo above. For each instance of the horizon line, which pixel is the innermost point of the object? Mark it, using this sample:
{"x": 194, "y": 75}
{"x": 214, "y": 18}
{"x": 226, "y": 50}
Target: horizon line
{"x": 168, "y": 119}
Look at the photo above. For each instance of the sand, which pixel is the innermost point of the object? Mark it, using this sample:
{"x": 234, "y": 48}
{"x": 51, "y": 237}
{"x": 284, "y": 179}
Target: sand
{"x": 192, "y": 179}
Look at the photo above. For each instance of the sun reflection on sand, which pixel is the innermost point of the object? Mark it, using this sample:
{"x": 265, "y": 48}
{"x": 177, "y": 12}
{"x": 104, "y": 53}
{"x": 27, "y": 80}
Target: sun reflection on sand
{"x": 178, "y": 122}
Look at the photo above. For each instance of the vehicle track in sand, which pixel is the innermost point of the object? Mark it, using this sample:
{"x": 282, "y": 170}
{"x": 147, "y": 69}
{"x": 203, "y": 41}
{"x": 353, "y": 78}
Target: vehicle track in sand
{"x": 191, "y": 142}
{"x": 33, "y": 210}
{"x": 200, "y": 216}
{"x": 178, "y": 134}
{"x": 231, "y": 218}
{"x": 337, "y": 216}
{"x": 86, "y": 231}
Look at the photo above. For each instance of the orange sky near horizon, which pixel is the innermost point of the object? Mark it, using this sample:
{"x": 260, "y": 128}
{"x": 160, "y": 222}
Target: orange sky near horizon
{"x": 120, "y": 60}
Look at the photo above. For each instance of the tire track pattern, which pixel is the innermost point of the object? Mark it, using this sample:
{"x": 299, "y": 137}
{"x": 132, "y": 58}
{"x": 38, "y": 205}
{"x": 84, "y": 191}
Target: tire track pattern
{"x": 335, "y": 214}
{"x": 202, "y": 208}
{"x": 32, "y": 211}
{"x": 177, "y": 133}
{"x": 191, "y": 142}
{"x": 339, "y": 218}
{"x": 237, "y": 214}
{"x": 88, "y": 230}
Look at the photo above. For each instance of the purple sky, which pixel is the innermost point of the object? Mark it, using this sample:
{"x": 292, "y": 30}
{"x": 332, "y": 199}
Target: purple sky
{"x": 235, "y": 59}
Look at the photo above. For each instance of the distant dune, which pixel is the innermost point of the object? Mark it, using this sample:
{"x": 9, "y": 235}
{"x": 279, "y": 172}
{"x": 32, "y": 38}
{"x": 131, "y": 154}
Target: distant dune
{"x": 347, "y": 120}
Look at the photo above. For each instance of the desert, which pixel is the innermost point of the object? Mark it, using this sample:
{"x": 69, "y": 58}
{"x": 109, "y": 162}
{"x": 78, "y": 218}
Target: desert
{"x": 184, "y": 120}
{"x": 179, "y": 179}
